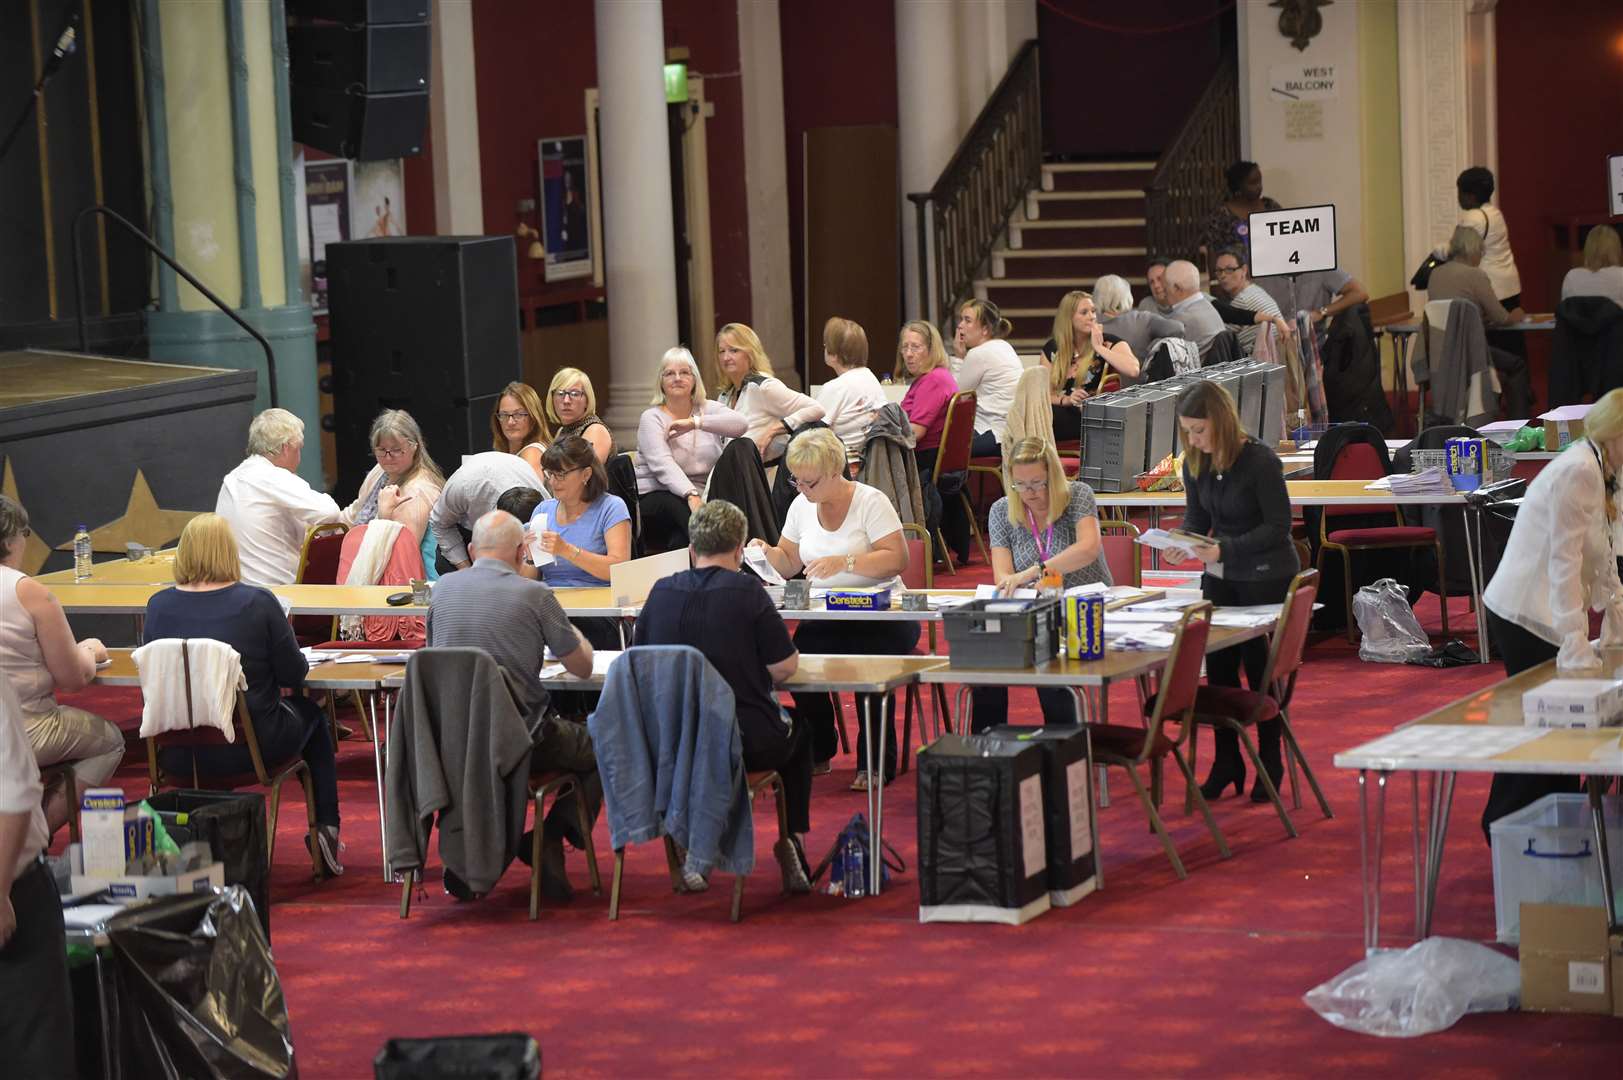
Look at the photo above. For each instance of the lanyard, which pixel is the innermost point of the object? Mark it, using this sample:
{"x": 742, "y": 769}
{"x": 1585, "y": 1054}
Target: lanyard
{"x": 1042, "y": 541}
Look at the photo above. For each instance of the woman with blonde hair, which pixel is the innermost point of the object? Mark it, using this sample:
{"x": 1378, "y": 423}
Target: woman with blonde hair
{"x": 843, "y": 534}
{"x": 518, "y": 424}
{"x": 679, "y": 440}
{"x": 774, "y": 411}
{"x": 1077, "y": 357}
{"x": 403, "y": 486}
{"x": 921, "y": 361}
{"x": 209, "y": 600}
{"x": 1234, "y": 490}
{"x": 1560, "y": 564}
{"x": 1043, "y": 526}
{"x": 572, "y": 410}
{"x": 1602, "y": 271}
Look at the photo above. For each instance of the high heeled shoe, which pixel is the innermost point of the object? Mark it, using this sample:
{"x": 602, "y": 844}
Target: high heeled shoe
{"x": 1222, "y": 775}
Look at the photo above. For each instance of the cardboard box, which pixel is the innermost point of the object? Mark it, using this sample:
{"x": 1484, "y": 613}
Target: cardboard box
{"x": 126, "y": 887}
{"x": 1567, "y": 959}
{"x": 112, "y": 831}
{"x": 1574, "y": 703}
{"x": 1558, "y": 434}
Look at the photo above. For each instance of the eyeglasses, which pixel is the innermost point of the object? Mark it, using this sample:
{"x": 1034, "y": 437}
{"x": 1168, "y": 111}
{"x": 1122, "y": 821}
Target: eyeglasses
{"x": 390, "y": 455}
{"x": 512, "y": 417}
{"x": 1029, "y": 487}
{"x": 804, "y": 485}
{"x": 554, "y": 477}
{"x": 675, "y": 373}
{"x": 574, "y": 393}
{"x": 1227, "y": 269}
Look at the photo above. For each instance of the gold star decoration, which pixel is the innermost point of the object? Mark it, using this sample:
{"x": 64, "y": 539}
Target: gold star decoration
{"x": 35, "y": 550}
{"x": 143, "y": 523}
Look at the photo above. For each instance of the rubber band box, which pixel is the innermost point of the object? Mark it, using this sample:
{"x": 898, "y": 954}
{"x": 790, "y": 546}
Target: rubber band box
{"x": 112, "y": 831}
{"x": 1574, "y": 703}
{"x": 857, "y": 599}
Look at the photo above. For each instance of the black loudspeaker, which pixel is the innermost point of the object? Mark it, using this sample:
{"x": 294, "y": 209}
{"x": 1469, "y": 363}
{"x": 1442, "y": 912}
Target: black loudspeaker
{"x": 428, "y": 324}
{"x": 371, "y": 59}
{"x": 362, "y": 127}
{"x": 361, "y": 11}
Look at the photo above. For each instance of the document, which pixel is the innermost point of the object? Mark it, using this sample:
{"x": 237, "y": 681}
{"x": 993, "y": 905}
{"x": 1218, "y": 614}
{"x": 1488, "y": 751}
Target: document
{"x": 755, "y": 559}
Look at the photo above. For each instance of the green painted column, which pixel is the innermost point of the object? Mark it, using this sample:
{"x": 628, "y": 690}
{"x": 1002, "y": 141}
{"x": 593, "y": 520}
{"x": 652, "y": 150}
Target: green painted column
{"x": 221, "y": 153}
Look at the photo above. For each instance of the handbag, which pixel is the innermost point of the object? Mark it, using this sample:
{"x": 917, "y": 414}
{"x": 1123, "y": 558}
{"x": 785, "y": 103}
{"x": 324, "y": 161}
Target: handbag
{"x": 1422, "y": 276}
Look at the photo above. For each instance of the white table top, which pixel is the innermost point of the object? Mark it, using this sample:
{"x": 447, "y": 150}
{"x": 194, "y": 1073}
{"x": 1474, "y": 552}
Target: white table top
{"x": 1490, "y": 749}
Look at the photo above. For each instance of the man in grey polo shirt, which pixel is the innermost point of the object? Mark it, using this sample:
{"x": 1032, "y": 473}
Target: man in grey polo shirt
{"x": 1190, "y": 306}
{"x": 490, "y": 606}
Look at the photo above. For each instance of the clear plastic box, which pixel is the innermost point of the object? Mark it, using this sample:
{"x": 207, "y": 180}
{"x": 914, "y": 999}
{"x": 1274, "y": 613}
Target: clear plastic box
{"x": 1545, "y": 854}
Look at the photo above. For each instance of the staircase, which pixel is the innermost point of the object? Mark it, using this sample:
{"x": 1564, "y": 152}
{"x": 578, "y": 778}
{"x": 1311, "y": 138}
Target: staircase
{"x": 1086, "y": 220}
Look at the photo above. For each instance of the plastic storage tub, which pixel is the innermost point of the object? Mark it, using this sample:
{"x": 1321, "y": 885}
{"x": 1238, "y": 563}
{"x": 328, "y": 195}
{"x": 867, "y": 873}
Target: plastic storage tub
{"x": 1020, "y": 638}
{"x": 1545, "y": 854}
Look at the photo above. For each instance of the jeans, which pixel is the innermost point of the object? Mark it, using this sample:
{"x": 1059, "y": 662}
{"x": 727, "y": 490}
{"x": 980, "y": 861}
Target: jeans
{"x": 817, "y": 710}
{"x": 36, "y": 1024}
{"x": 298, "y": 728}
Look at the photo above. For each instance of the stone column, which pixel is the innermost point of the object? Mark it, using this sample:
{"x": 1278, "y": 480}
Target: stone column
{"x": 454, "y": 119}
{"x": 220, "y": 158}
{"x": 766, "y": 190}
{"x": 927, "y": 104}
{"x": 639, "y": 262}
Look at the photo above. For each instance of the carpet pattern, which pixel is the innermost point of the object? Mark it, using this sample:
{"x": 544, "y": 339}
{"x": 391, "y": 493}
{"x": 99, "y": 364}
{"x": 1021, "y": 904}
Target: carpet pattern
{"x": 1149, "y": 977}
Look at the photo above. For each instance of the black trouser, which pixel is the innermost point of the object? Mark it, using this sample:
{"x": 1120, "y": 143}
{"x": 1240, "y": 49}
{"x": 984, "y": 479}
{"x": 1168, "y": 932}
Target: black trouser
{"x": 36, "y": 1022}
{"x": 297, "y": 729}
{"x": 787, "y": 752}
{"x": 817, "y": 710}
{"x": 600, "y": 633}
{"x": 664, "y": 522}
{"x": 1519, "y": 650}
{"x": 1223, "y": 666}
{"x": 989, "y": 707}
{"x": 925, "y": 460}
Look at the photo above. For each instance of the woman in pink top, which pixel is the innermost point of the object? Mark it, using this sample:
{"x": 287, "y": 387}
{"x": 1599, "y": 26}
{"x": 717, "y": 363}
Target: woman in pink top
{"x": 678, "y": 442}
{"x": 921, "y": 359}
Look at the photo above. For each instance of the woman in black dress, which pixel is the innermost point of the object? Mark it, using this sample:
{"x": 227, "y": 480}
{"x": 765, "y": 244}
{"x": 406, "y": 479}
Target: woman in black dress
{"x": 1077, "y": 357}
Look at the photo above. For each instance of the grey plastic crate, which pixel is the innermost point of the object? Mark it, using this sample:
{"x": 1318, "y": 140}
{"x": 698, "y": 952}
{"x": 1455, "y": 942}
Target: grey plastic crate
{"x": 1113, "y": 439}
{"x": 1011, "y": 639}
{"x": 1253, "y": 380}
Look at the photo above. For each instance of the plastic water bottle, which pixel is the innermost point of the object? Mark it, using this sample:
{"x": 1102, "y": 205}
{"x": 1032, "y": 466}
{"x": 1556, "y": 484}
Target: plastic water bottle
{"x": 836, "y": 874}
{"x": 856, "y": 872}
{"x": 81, "y": 554}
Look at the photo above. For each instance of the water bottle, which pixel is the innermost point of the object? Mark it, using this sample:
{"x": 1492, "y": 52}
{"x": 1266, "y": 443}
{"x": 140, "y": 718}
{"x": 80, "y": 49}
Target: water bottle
{"x": 81, "y": 554}
{"x": 836, "y": 874}
{"x": 856, "y": 864}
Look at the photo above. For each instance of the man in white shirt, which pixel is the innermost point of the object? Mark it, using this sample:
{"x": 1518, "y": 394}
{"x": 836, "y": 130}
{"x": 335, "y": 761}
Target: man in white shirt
{"x": 36, "y": 1022}
{"x": 268, "y": 504}
{"x": 470, "y": 494}
{"x": 1201, "y": 322}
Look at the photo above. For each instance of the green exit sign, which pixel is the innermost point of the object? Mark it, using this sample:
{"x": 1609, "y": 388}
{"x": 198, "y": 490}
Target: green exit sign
{"x": 676, "y": 84}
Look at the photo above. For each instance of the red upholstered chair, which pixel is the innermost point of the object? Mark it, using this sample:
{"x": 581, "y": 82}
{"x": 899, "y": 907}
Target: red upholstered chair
{"x": 1122, "y": 553}
{"x": 318, "y": 565}
{"x": 1238, "y": 709}
{"x": 1128, "y": 746}
{"x": 957, "y": 432}
{"x": 1359, "y": 461}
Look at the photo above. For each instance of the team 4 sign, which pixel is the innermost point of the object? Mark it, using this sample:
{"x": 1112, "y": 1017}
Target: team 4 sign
{"x": 1295, "y": 241}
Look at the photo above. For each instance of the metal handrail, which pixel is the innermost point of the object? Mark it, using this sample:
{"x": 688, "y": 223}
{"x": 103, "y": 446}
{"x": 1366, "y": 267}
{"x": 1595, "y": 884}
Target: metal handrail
{"x": 998, "y": 161}
{"x": 152, "y": 246}
{"x": 1188, "y": 180}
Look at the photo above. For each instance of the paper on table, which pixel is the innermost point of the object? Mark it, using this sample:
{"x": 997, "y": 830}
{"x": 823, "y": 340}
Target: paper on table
{"x": 1132, "y": 615}
{"x": 602, "y": 659}
{"x": 989, "y": 592}
{"x": 755, "y": 559}
{"x": 1565, "y": 412}
{"x": 1144, "y": 639}
{"x": 371, "y": 658}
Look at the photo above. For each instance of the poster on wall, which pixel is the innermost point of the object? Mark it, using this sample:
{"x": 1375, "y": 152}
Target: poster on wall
{"x": 327, "y": 188}
{"x": 565, "y": 215}
{"x": 379, "y": 201}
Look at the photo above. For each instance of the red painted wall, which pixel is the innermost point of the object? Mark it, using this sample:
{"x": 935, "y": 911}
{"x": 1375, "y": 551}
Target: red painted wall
{"x": 1560, "y": 90}
{"x": 839, "y": 68}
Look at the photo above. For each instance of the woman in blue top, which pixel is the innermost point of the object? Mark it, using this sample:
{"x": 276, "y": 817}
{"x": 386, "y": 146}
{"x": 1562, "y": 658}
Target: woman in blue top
{"x": 584, "y": 528}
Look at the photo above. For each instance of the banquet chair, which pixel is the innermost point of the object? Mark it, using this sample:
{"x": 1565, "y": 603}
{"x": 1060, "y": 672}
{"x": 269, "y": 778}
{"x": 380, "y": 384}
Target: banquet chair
{"x": 957, "y": 432}
{"x": 318, "y": 565}
{"x": 1122, "y": 554}
{"x": 1129, "y": 746}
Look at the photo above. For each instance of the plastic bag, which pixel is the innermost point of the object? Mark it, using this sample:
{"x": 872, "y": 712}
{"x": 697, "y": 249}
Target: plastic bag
{"x": 1424, "y": 988}
{"x": 1390, "y": 632}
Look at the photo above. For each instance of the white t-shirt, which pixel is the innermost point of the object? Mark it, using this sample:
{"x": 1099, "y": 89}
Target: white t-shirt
{"x": 870, "y": 517}
{"x": 849, "y": 402}
{"x": 991, "y": 369}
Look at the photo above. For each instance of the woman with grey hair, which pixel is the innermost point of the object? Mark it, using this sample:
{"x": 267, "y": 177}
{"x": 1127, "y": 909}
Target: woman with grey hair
{"x": 1139, "y": 329}
{"x": 679, "y": 439}
{"x": 405, "y": 483}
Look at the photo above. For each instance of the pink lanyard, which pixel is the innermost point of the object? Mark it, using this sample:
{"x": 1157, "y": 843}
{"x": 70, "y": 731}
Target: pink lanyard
{"x": 1042, "y": 541}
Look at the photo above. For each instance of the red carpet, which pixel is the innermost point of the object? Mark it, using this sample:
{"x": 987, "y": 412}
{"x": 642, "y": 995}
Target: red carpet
{"x": 1151, "y": 977}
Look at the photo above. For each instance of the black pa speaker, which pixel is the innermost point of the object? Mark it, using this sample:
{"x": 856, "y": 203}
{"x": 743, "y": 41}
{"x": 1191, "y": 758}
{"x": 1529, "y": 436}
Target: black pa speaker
{"x": 370, "y": 59}
{"x": 428, "y": 324}
{"x": 359, "y": 126}
{"x": 361, "y": 11}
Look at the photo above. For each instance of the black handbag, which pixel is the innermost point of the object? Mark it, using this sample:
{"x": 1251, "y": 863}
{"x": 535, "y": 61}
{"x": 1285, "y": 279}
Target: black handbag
{"x": 1422, "y": 276}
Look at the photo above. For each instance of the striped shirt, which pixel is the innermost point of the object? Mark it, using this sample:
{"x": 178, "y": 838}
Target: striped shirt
{"x": 489, "y": 606}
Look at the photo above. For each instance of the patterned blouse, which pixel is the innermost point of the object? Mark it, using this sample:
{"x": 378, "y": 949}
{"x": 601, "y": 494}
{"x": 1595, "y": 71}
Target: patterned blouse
{"x": 1023, "y": 546}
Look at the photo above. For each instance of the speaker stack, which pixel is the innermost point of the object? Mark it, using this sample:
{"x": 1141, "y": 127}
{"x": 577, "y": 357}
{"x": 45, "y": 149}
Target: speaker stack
{"x": 359, "y": 76}
{"x": 428, "y": 324}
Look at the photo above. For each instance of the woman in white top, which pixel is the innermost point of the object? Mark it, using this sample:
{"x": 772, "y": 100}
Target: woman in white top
{"x": 518, "y": 424}
{"x": 38, "y": 656}
{"x": 1602, "y": 271}
{"x": 678, "y": 442}
{"x": 843, "y": 535}
{"x": 1560, "y": 564}
{"x": 851, "y": 398}
{"x": 748, "y": 386}
{"x": 990, "y": 367}
{"x": 403, "y": 486}
{"x": 1475, "y": 187}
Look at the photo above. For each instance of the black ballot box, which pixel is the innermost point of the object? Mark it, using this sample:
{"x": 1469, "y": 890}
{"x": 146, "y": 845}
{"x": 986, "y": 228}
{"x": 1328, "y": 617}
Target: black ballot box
{"x": 1067, "y": 806}
{"x": 982, "y": 852}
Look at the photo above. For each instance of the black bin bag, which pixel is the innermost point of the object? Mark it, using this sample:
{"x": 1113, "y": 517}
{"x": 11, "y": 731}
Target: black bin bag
{"x": 1067, "y": 806}
{"x": 982, "y": 853}
{"x": 232, "y": 823}
{"x": 197, "y": 992}
{"x": 459, "y": 1057}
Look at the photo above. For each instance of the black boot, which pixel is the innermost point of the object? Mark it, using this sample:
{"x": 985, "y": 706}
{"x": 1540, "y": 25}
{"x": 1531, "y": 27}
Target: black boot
{"x": 1227, "y": 766}
{"x": 1268, "y": 751}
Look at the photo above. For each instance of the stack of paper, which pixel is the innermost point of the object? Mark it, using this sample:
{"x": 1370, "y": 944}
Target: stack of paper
{"x": 1140, "y": 639}
{"x": 1432, "y": 481}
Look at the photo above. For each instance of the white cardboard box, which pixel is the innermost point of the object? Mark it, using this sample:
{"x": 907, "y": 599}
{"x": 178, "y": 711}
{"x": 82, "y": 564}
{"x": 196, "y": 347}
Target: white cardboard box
{"x": 1574, "y": 703}
{"x": 135, "y": 887}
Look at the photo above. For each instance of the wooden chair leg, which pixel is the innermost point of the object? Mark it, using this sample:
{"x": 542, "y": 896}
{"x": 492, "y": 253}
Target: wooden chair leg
{"x": 1294, "y": 748}
{"x": 673, "y": 864}
{"x": 1263, "y": 777}
{"x": 590, "y": 850}
{"x": 946, "y": 552}
{"x": 738, "y": 898}
{"x": 974, "y": 527}
{"x": 614, "y": 886}
{"x": 537, "y": 842}
{"x": 1205, "y": 808}
{"x": 1155, "y": 822}
{"x": 310, "y": 819}
{"x": 405, "y": 893}
{"x": 270, "y": 839}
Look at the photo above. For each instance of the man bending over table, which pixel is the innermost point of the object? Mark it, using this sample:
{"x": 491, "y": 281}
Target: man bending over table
{"x": 490, "y": 606}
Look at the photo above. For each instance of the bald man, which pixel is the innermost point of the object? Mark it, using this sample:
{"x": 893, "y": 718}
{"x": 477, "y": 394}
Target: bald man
{"x": 1190, "y": 306}
{"x": 490, "y": 606}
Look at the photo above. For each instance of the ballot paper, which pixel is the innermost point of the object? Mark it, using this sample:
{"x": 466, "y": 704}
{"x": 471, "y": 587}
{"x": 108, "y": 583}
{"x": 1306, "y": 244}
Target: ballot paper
{"x": 539, "y": 556}
{"x": 989, "y": 592}
{"x": 755, "y": 559}
{"x": 1133, "y": 615}
{"x": 372, "y": 658}
{"x": 1142, "y": 639}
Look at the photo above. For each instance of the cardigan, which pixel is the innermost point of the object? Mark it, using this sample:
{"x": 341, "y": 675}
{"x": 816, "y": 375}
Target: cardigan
{"x": 1247, "y": 509}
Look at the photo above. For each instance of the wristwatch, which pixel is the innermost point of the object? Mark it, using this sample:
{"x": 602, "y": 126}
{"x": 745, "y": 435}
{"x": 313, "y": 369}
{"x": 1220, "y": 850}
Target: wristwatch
{"x": 850, "y": 564}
